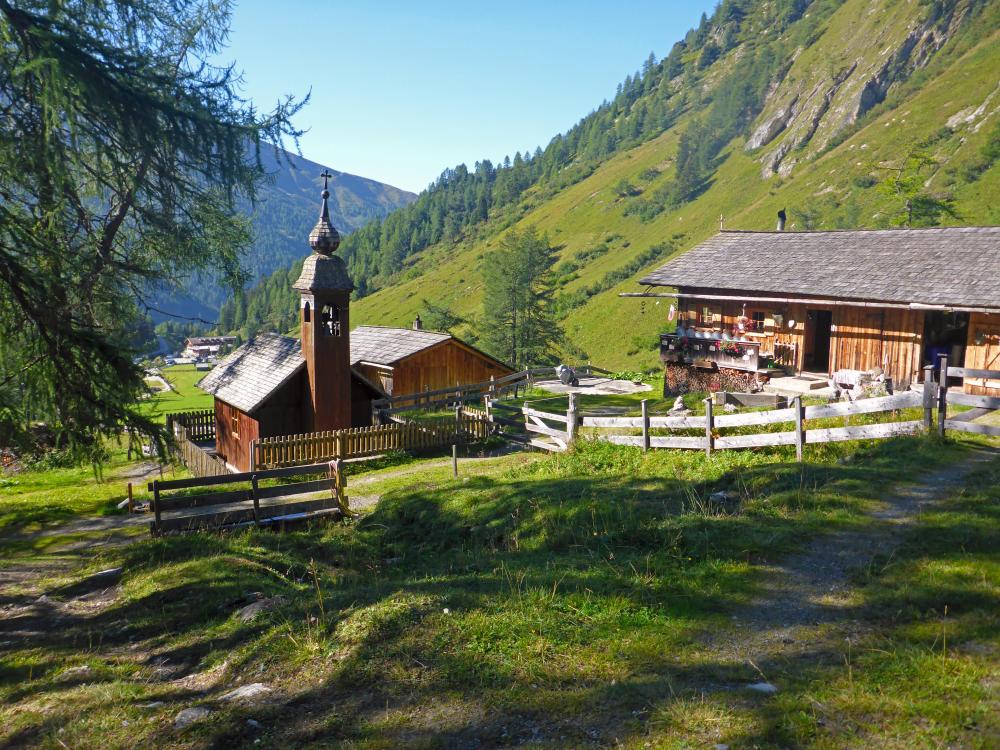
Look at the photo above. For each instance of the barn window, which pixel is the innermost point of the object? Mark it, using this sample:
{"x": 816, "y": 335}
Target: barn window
{"x": 330, "y": 320}
{"x": 235, "y": 424}
{"x": 757, "y": 319}
{"x": 306, "y": 312}
{"x": 707, "y": 316}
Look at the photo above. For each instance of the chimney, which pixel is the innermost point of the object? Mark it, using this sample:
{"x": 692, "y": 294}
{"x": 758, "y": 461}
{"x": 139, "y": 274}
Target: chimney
{"x": 418, "y": 324}
{"x": 781, "y": 221}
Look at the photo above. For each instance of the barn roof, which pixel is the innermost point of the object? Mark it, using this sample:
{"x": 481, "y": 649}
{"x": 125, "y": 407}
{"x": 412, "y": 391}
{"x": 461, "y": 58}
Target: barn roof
{"x": 383, "y": 346}
{"x": 247, "y": 377}
{"x": 938, "y": 265}
{"x": 254, "y": 371}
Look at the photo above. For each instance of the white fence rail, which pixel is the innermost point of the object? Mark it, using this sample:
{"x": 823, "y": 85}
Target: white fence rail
{"x": 557, "y": 431}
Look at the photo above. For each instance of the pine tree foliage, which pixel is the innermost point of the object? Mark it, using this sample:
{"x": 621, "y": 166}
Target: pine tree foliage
{"x": 123, "y": 153}
{"x": 518, "y": 310}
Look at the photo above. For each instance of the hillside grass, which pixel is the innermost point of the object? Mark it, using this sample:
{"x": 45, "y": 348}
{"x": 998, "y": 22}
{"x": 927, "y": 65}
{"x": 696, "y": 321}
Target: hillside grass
{"x": 185, "y": 396}
{"x": 553, "y": 601}
{"x": 621, "y": 333}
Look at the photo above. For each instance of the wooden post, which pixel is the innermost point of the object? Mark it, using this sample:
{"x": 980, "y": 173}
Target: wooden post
{"x": 486, "y": 404}
{"x": 156, "y": 503}
{"x": 256, "y": 500}
{"x": 458, "y": 421}
{"x": 928, "y": 397}
{"x": 454, "y": 460}
{"x": 709, "y": 427}
{"x": 341, "y": 444}
{"x": 800, "y": 432}
{"x": 645, "y": 425}
{"x": 942, "y": 393}
{"x": 253, "y": 455}
{"x": 131, "y": 503}
{"x": 571, "y": 418}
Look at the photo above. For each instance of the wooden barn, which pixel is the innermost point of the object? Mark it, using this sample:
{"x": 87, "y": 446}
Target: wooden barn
{"x": 404, "y": 361}
{"x": 836, "y": 304}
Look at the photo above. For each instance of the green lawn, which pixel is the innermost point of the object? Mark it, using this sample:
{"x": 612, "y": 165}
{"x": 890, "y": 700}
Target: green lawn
{"x": 548, "y": 601}
{"x": 185, "y": 396}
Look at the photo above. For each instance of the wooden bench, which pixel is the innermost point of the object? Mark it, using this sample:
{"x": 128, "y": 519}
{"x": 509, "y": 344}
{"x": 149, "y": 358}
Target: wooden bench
{"x": 244, "y": 507}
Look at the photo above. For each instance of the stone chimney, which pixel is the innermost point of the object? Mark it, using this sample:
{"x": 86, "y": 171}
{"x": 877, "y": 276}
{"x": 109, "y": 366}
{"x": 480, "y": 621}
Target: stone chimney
{"x": 418, "y": 324}
{"x": 781, "y": 221}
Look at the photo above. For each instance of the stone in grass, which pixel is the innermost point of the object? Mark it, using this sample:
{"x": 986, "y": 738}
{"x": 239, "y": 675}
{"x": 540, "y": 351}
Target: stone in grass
{"x": 250, "y": 611}
{"x": 75, "y": 672}
{"x": 249, "y": 692}
{"x": 190, "y": 715}
{"x": 765, "y": 688}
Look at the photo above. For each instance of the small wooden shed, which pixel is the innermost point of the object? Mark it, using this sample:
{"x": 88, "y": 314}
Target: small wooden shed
{"x": 838, "y": 301}
{"x": 404, "y": 361}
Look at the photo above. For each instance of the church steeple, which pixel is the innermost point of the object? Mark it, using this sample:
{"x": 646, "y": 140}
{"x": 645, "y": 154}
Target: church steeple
{"x": 325, "y": 290}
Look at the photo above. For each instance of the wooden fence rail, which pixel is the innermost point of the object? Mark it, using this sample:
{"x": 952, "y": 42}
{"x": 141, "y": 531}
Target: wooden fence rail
{"x": 199, "y": 462}
{"x": 291, "y": 450}
{"x": 200, "y": 425}
{"x": 558, "y": 431}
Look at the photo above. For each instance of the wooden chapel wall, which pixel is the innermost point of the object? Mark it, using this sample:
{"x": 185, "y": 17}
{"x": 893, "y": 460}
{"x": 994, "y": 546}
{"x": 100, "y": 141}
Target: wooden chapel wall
{"x": 983, "y": 353}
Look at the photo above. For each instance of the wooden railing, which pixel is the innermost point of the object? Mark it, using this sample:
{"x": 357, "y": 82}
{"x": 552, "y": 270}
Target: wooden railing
{"x": 556, "y": 431}
{"x": 291, "y": 450}
{"x": 199, "y": 462}
{"x": 200, "y": 425}
{"x": 471, "y": 392}
{"x": 239, "y": 504}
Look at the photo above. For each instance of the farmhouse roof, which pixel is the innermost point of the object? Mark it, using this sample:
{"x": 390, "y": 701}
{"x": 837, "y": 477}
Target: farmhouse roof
{"x": 254, "y": 371}
{"x": 935, "y": 266}
{"x": 384, "y": 346}
{"x": 247, "y": 377}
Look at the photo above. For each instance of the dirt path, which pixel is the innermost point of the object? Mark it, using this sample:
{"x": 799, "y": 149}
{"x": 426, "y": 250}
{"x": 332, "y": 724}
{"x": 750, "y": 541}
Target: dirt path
{"x": 806, "y": 600}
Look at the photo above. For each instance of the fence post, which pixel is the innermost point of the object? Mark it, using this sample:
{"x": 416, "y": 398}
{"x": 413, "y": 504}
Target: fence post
{"x": 458, "y": 421}
{"x": 645, "y": 425}
{"x": 928, "y": 397}
{"x": 486, "y": 404}
{"x": 454, "y": 461}
{"x": 800, "y": 432}
{"x": 709, "y": 427}
{"x": 572, "y": 418}
{"x": 341, "y": 445}
{"x": 253, "y": 455}
{"x": 942, "y": 393}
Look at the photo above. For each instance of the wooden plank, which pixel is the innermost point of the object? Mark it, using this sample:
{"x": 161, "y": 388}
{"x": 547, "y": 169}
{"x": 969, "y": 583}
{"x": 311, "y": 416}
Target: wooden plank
{"x": 546, "y": 430}
{"x": 978, "y": 429}
{"x": 863, "y": 432}
{"x": 677, "y": 423}
{"x": 545, "y": 446}
{"x": 504, "y": 407}
{"x": 673, "y": 441}
{"x": 545, "y": 415}
{"x": 614, "y": 421}
{"x": 206, "y": 520}
{"x": 291, "y": 471}
{"x": 200, "y": 501}
{"x": 968, "y": 372}
{"x": 757, "y": 440}
{"x": 966, "y": 399}
{"x": 290, "y": 490}
{"x": 866, "y": 405}
{"x": 750, "y": 418}
{"x": 285, "y": 509}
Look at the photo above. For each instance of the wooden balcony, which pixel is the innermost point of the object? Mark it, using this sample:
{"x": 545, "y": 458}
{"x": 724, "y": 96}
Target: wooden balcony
{"x": 711, "y": 352}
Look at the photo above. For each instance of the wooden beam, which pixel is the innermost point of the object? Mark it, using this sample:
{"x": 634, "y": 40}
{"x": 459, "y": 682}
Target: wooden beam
{"x": 808, "y": 301}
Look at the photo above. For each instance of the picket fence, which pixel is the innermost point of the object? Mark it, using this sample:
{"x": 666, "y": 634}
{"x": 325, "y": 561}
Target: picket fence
{"x": 290, "y": 450}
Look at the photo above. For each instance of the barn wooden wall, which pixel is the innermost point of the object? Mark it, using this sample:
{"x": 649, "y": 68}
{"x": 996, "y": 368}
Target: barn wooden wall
{"x": 983, "y": 353}
{"x": 234, "y": 449}
{"x": 440, "y": 366}
{"x": 861, "y": 338}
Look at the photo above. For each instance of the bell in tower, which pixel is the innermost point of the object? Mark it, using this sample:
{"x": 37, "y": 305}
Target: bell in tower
{"x": 325, "y": 290}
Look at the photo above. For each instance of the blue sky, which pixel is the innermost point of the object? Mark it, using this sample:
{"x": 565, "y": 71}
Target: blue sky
{"x": 401, "y": 90}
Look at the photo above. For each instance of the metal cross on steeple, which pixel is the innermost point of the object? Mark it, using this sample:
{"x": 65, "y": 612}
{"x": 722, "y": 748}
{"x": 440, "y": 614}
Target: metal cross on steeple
{"x": 326, "y": 176}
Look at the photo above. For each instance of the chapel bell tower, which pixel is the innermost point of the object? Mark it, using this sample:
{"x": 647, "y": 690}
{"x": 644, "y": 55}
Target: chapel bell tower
{"x": 325, "y": 290}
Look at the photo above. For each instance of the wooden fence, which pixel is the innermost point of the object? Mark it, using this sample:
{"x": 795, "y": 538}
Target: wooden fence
{"x": 290, "y": 450}
{"x": 176, "y": 512}
{"x": 493, "y": 388}
{"x": 557, "y": 431}
{"x": 197, "y": 459}
{"x": 200, "y": 425}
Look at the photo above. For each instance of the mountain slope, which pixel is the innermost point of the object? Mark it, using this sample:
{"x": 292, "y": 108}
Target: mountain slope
{"x": 827, "y": 108}
{"x": 287, "y": 209}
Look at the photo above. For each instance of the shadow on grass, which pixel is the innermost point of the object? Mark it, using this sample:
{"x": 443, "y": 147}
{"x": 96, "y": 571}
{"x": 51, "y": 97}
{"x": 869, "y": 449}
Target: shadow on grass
{"x": 552, "y": 609}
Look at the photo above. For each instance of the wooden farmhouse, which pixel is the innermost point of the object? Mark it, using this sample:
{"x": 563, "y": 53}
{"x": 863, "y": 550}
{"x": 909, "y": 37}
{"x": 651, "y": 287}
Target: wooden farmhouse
{"x": 404, "y": 361}
{"x": 833, "y": 304}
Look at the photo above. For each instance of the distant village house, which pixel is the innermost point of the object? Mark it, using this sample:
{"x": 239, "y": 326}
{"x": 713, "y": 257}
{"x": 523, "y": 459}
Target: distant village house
{"x": 200, "y": 347}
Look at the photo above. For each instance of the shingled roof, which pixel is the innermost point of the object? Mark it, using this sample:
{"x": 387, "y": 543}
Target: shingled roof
{"x": 384, "y": 346}
{"x": 253, "y": 372}
{"x": 939, "y": 266}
